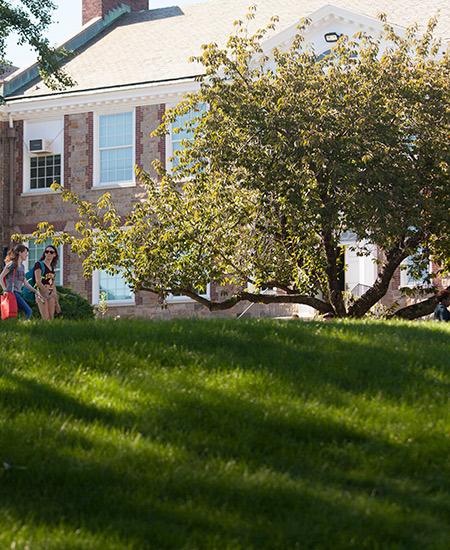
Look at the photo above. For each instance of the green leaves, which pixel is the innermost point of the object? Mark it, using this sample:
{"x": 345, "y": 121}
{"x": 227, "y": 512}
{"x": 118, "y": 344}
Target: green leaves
{"x": 293, "y": 151}
{"x": 29, "y": 19}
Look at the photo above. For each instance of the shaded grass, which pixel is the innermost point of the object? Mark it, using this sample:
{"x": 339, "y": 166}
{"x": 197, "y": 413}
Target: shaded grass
{"x": 224, "y": 434}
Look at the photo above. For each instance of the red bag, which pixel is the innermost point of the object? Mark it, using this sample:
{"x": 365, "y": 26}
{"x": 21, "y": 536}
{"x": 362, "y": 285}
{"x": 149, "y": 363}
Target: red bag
{"x": 8, "y": 306}
{"x": 8, "y": 303}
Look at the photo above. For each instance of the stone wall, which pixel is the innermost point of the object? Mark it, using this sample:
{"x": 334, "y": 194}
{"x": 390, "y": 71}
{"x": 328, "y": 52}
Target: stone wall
{"x": 4, "y": 182}
{"x": 32, "y": 208}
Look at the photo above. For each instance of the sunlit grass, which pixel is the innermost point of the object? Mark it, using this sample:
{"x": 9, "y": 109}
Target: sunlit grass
{"x": 224, "y": 434}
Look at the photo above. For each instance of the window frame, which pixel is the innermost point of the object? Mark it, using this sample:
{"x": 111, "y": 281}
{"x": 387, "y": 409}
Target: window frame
{"x": 96, "y": 172}
{"x": 40, "y": 189}
{"x": 27, "y": 155}
{"x": 169, "y": 139}
{"x": 110, "y": 303}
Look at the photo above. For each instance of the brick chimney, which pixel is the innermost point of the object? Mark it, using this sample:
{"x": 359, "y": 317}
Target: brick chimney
{"x": 99, "y": 8}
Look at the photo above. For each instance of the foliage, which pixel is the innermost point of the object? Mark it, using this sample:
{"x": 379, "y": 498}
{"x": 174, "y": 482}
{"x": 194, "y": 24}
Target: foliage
{"x": 292, "y": 152}
{"x": 134, "y": 434}
{"x": 73, "y": 306}
{"x": 29, "y": 19}
{"x": 101, "y": 309}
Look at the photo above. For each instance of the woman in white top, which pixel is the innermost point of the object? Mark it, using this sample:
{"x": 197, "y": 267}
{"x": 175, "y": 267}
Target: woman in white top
{"x": 12, "y": 278}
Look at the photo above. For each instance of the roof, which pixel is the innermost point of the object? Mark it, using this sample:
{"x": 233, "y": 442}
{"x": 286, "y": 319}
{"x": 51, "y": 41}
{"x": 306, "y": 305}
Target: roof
{"x": 154, "y": 45}
{"x": 6, "y": 70}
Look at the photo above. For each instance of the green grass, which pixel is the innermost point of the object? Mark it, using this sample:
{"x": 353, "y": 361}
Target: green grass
{"x": 224, "y": 434}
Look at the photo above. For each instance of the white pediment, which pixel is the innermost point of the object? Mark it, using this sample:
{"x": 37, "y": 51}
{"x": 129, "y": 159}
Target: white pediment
{"x": 327, "y": 19}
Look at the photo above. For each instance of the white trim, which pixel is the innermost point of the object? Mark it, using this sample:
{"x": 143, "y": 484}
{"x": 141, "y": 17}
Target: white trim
{"x": 327, "y": 14}
{"x": 81, "y": 102}
{"x": 34, "y": 192}
{"x": 118, "y": 185}
{"x": 110, "y": 303}
{"x": 96, "y": 153}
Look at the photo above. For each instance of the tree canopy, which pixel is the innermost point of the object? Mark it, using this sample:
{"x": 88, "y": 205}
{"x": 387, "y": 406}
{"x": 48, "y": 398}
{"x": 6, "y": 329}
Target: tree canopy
{"x": 293, "y": 151}
{"x": 29, "y": 19}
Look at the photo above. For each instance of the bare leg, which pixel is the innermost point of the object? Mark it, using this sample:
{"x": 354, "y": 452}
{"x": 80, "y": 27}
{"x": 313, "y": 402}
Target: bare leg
{"x": 51, "y": 305}
{"x": 43, "y": 309}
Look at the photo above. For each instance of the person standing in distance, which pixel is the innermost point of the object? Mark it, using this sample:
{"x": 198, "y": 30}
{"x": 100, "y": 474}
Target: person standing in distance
{"x": 12, "y": 278}
{"x": 45, "y": 282}
{"x": 441, "y": 313}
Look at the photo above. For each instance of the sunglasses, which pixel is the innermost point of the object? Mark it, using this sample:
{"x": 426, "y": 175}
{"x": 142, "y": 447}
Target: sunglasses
{"x": 50, "y": 252}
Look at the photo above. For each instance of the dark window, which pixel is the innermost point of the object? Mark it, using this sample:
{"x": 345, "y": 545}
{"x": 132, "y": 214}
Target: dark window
{"x": 45, "y": 170}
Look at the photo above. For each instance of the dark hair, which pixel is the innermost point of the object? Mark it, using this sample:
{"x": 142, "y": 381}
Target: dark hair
{"x": 13, "y": 254}
{"x": 55, "y": 257}
{"x": 443, "y": 295}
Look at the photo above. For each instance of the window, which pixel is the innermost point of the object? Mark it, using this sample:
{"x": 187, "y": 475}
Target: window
{"x": 114, "y": 286}
{"x": 41, "y": 169}
{"x": 412, "y": 280}
{"x": 180, "y": 134}
{"x": 115, "y": 148}
{"x": 36, "y": 252}
{"x": 45, "y": 170}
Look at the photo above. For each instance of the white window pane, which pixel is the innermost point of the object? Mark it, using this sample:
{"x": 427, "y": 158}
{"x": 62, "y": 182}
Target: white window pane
{"x": 116, "y": 165}
{"x": 115, "y": 287}
{"x": 180, "y": 134}
{"x": 116, "y": 130}
{"x": 410, "y": 279}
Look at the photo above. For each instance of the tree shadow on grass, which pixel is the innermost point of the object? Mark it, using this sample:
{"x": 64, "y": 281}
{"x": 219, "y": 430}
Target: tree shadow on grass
{"x": 355, "y": 358}
{"x": 27, "y": 395}
{"x": 216, "y": 468}
{"x": 240, "y": 475}
{"x": 247, "y": 491}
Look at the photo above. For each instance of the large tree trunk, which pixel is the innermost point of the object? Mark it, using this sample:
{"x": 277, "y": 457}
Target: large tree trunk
{"x": 333, "y": 252}
{"x": 394, "y": 258}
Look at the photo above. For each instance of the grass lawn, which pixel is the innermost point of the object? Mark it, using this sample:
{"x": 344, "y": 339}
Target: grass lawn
{"x": 224, "y": 434}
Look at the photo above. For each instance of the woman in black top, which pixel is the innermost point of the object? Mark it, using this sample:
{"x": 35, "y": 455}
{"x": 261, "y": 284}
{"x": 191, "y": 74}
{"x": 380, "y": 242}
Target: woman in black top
{"x": 45, "y": 282}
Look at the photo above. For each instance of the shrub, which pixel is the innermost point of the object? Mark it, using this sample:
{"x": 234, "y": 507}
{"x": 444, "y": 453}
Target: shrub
{"x": 73, "y": 306}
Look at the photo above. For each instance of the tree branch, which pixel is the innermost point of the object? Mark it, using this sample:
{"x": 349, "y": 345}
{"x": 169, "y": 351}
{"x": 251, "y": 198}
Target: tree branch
{"x": 316, "y": 303}
{"x": 415, "y": 311}
{"x": 394, "y": 258}
{"x": 319, "y": 305}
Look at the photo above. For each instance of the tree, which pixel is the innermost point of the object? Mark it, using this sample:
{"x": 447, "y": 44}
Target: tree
{"x": 29, "y": 20}
{"x": 293, "y": 151}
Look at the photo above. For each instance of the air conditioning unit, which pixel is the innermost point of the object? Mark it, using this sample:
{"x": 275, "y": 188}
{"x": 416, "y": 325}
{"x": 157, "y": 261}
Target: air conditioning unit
{"x": 40, "y": 146}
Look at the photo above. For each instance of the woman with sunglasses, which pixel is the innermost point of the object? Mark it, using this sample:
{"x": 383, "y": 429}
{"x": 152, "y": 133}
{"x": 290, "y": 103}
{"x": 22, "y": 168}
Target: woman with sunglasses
{"x": 45, "y": 282}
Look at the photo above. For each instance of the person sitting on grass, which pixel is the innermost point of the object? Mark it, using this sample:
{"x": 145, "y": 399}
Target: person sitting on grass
{"x": 441, "y": 313}
{"x": 12, "y": 278}
{"x": 45, "y": 282}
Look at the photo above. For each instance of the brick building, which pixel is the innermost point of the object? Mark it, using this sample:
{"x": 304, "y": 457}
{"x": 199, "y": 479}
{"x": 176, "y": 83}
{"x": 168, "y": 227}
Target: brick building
{"x": 130, "y": 63}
